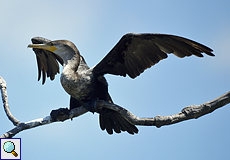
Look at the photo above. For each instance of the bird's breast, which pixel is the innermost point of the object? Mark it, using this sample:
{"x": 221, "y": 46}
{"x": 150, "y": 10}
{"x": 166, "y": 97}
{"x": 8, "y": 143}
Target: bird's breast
{"x": 78, "y": 85}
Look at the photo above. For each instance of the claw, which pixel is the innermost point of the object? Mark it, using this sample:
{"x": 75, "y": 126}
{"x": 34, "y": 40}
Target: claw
{"x": 91, "y": 105}
{"x": 60, "y": 114}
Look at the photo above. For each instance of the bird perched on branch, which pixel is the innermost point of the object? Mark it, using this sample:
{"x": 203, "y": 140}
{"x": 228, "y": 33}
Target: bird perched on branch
{"x": 130, "y": 56}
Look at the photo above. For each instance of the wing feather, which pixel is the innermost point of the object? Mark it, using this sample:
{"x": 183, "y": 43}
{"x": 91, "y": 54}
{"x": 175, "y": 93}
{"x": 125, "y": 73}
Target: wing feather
{"x": 47, "y": 61}
{"x": 136, "y": 52}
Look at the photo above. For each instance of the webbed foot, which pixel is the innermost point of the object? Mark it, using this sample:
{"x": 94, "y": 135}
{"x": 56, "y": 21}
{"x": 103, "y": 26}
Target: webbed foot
{"x": 60, "y": 114}
{"x": 91, "y": 105}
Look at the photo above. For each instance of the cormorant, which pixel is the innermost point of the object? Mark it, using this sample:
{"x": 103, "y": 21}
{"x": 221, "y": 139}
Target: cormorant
{"x": 130, "y": 56}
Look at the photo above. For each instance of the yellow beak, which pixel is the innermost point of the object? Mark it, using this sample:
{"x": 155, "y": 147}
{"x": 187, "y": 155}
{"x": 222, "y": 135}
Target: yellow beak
{"x": 42, "y": 46}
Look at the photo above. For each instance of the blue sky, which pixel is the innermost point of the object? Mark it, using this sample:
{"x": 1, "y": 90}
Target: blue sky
{"x": 95, "y": 27}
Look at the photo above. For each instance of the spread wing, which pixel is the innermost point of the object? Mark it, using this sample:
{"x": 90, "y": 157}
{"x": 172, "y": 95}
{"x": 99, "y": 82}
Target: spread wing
{"x": 46, "y": 60}
{"x": 136, "y": 52}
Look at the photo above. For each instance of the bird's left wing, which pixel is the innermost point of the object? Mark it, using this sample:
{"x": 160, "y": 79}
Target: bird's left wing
{"x": 136, "y": 52}
{"x": 46, "y": 60}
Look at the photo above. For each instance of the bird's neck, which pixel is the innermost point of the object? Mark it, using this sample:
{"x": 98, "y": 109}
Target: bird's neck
{"x": 71, "y": 61}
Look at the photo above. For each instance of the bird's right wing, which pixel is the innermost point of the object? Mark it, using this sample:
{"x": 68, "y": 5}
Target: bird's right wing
{"x": 136, "y": 52}
{"x": 46, "y": 60}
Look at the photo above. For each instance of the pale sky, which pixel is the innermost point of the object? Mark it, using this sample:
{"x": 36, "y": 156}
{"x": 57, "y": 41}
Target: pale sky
{"x": 95, "y": 27}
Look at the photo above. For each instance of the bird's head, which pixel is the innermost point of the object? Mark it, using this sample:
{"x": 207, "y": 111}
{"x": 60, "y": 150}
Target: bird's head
{"x": 48, "y": 53}
{"x": 62, "y": 48}
{"x": 51, "y": 46}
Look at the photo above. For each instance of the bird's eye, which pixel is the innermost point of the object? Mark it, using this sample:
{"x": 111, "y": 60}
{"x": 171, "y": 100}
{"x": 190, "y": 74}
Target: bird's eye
{"x": 51, "y": 44}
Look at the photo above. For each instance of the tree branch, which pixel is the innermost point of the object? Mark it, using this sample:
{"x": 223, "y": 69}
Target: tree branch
{"x": 41, "y": 121}
{"x": 5, "y": 102}
{"x": 190, "y": 112}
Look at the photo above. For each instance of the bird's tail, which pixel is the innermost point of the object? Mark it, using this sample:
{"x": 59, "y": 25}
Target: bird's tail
{"x": 111, "y": 120}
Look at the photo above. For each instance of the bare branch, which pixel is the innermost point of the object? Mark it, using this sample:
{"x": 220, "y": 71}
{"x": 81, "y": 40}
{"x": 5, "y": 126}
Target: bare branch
{"x": 42, "y": 121}
{"x": 5, "y": 102}
{"x": 190, "y": 112}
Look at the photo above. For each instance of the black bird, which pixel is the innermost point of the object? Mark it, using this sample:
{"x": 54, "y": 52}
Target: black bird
{"x": 131, "y": 55}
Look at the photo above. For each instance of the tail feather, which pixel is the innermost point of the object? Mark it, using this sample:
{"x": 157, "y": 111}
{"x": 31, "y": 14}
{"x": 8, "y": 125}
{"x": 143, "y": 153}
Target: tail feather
{"x": 115, "y": 123}
{"x": 125, "y": 125}
{"x": 111, "y": 120}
